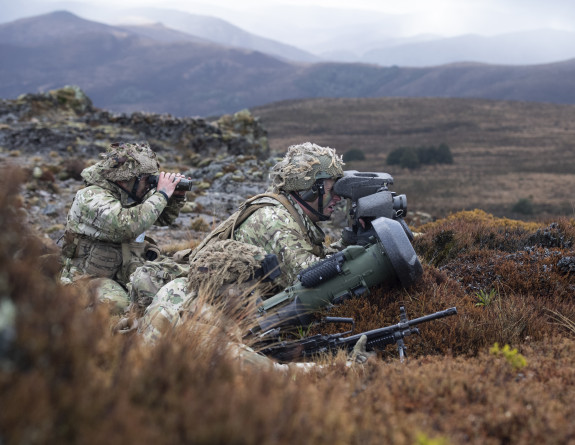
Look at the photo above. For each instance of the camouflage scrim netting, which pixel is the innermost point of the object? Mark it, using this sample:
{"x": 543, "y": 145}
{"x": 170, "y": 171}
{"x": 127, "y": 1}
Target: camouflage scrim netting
{"x": 303, "y": 165}
{"x": 124, "y": 161}
{"x": 224, "y": 262}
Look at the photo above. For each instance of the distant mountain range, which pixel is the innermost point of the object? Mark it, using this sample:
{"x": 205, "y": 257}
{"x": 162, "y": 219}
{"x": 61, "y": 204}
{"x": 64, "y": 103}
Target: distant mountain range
{"x": 159, "y": 69}
{"x": 222, "y": 32}
{"x": 520, "y": 48}
{"x": 312, "y": 33}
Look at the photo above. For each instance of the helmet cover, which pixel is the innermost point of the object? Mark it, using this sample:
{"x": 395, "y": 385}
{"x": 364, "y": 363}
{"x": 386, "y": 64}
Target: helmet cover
{"x": 303, "y": 165}
{"x": 124, "y": 161}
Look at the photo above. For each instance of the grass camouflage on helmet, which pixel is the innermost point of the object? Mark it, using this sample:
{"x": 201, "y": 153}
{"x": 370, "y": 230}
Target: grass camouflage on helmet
{"x": 227, "y": 262}
{"x": 124, "y": 161}
{"x": 303, "y": 165}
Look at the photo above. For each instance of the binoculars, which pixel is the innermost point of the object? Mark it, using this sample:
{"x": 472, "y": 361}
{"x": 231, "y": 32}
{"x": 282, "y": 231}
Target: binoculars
{"x": 184, "y": 184}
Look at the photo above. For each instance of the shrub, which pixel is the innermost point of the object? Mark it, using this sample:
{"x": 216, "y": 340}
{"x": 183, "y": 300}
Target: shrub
{"x": 409, "y": 157}
{"x": 523, "y": 206}
{"x": 516, "y": 360}
{"x": 394, "y": 157}
{"x": 443, "y": 154}
{"x": 484, "y": 298}
{"x": 355, "y": 154}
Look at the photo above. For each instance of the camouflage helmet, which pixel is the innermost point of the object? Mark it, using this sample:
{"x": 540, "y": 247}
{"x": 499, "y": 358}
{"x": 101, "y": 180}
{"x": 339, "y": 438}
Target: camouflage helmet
{"x": 124, "y": 161}
{"x": 303, "y": 165}
{"x": 213, "y": 265}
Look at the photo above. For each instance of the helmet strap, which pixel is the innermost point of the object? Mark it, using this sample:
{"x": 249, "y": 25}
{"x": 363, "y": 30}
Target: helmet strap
{"x": 319, "y": 211}
{"x": 320, "y": 194}
{"x": 131, "y": 194}
{"x": 135, "y": 186}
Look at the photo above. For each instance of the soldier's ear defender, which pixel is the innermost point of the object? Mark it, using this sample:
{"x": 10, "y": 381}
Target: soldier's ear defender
{"x": 312, "y": 194}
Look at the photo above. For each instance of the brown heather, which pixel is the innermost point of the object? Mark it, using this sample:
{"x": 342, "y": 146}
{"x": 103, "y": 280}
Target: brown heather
{"x": 68, "y": 379}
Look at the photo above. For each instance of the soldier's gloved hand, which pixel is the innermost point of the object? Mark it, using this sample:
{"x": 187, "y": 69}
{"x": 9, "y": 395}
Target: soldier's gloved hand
{"x": 359, "y": 353}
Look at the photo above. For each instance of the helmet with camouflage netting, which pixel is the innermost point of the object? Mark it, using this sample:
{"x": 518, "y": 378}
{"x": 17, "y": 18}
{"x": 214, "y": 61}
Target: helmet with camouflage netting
{"x": 228, "y": 262}
{"x": 303, "y": 165}
{"x": 124, "y": 161}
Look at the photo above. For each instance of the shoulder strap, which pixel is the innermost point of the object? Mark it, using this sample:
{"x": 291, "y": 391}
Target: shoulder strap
{"x": 251, "y": 208}
{"x": 226, "y": 229}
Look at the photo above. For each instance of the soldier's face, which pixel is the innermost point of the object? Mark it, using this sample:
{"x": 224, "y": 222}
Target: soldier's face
{"x": 143, "y": 187}
{"x": 330, "y": 199}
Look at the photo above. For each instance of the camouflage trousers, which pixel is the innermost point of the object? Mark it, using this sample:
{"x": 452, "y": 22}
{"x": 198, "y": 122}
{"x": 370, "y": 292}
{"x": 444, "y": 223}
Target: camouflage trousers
{"x": 138, "y": 293}
{"x": 163, "y": 314}
{"x": 149, "y": 278}
{"x": 113, "y": 293}
{"x": 175, "y": 307}
{"x": 106, "y": 290}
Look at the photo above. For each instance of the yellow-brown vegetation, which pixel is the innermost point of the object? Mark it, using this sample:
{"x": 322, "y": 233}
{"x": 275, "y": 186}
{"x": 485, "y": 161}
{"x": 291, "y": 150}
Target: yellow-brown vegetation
{"x": 65, "y": 378}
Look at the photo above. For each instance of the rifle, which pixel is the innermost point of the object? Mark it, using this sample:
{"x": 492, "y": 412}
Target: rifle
{"x": 286, "y": 351}
{"x": 369, "y": 198}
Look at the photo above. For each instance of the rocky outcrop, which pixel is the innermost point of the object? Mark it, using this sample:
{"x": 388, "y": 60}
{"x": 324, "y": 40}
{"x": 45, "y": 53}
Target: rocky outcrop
{"x": 229, "y": 181}
{"x": 55, "y": 135}
{"x": 65, "y": 122}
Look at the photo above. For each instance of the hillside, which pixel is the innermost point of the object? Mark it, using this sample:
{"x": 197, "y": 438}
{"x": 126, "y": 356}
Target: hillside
{"x": 501, "y": 371}
{"x": 350, "y": 33}
{"x": 503, "y": 151}
{"x": 126, "y": 70}
{"x": 221, "y": 32}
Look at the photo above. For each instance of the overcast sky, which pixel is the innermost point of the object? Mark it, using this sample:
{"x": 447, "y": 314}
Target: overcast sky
{"x": 279, "y": 18}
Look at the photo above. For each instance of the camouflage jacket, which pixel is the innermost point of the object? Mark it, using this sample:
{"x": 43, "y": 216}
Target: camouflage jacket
{"x": 274, "y": 229}
{"x": 101, "y": 211}
{"x": 101, "y": 216}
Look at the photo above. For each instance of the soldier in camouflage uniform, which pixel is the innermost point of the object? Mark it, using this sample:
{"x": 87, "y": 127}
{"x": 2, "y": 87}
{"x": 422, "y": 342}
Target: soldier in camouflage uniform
{"x": 283, "y": 221}
{"x": 218, "y": 291}
{"x": 215, "y": 303}
{"x": 105, "y": 231}
{"x": 223, "y": 268}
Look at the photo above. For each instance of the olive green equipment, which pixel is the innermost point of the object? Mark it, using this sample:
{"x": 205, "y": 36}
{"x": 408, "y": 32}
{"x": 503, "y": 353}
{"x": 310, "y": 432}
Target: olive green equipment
{"x": 387, "y": 257}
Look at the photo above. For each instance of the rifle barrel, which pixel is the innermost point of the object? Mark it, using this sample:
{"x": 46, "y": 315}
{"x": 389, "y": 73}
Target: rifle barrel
{"x": 389, "y": 330}
{"x": 434, "y": 316}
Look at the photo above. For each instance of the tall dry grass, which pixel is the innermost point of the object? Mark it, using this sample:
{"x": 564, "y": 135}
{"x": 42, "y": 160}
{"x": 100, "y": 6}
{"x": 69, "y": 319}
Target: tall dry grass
{"x": 65, "y": 378}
